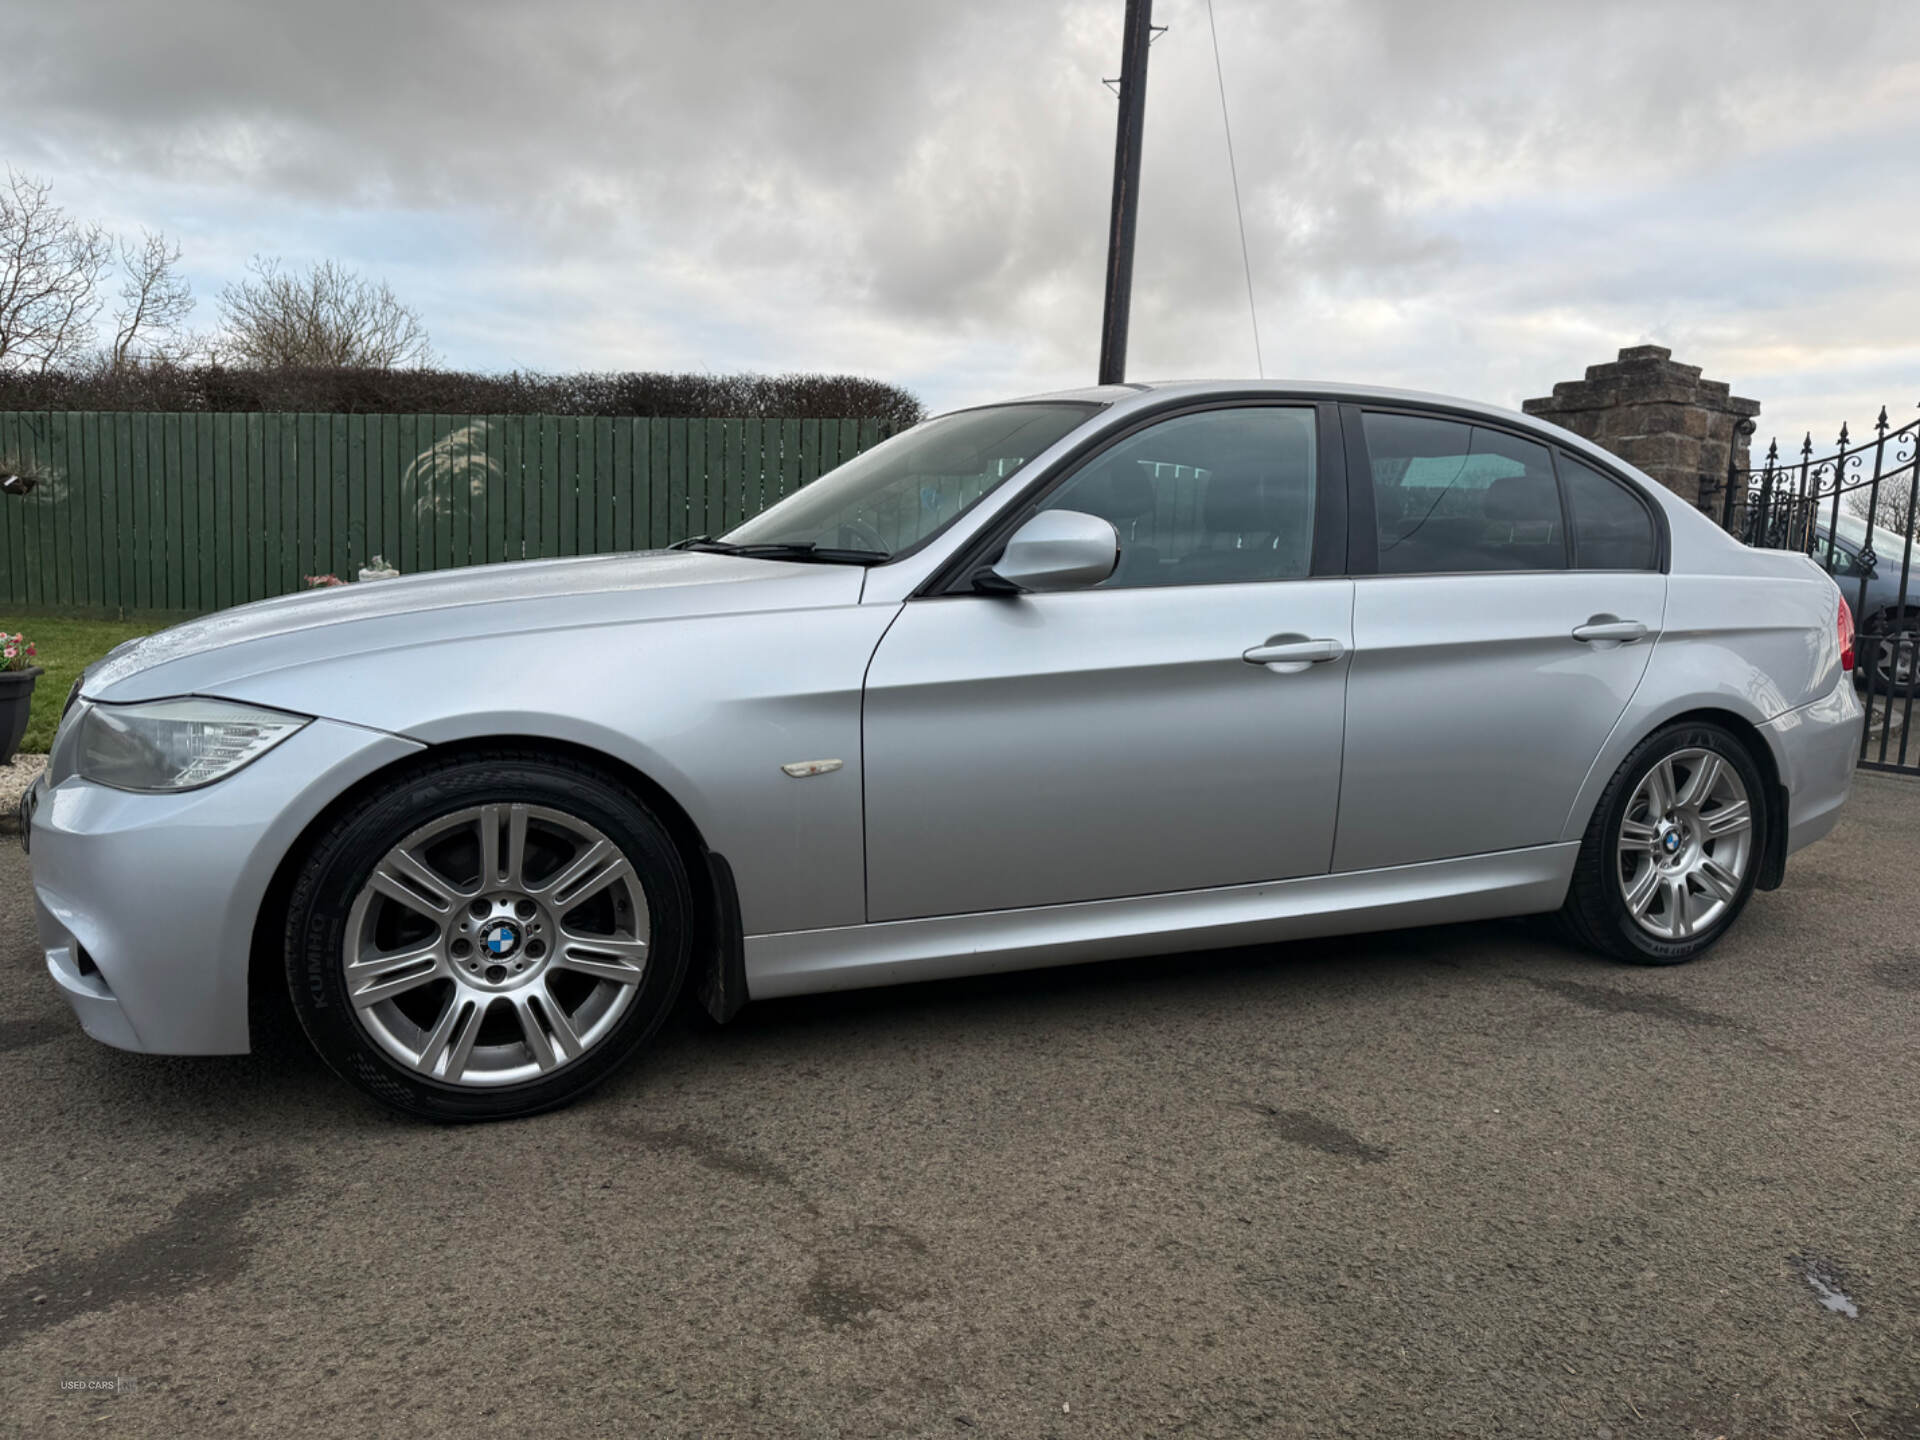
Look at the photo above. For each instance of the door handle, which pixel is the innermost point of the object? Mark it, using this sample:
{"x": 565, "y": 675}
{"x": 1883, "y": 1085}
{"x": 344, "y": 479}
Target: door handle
{"x": 1290, "y": 654}
{"x": 1608, "y": 627}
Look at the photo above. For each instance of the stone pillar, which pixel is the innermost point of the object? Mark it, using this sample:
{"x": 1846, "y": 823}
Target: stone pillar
{"x": 1660, "y": 417}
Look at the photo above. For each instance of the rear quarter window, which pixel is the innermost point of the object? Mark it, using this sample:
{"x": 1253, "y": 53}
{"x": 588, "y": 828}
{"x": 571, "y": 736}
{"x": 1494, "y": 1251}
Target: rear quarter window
{"x": 1612, "y": 527}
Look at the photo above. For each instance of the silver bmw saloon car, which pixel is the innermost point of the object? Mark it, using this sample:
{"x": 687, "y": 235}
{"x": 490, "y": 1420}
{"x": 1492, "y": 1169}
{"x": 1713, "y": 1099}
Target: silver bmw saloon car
{"x": 1115, "y": 671}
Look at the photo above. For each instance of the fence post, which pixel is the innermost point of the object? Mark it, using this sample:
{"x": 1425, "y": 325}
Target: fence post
{"x": 1839, "y": 477}
{"x": 1867, "y": 557}
{"x": 1900, "y": 609}
{"x": 1802, "y": 506}
{"x": 1742, "y": 428}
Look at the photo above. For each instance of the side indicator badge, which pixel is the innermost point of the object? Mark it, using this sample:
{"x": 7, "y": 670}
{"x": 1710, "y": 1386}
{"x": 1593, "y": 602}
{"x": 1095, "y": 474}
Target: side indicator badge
{"x": 801, "y": 769}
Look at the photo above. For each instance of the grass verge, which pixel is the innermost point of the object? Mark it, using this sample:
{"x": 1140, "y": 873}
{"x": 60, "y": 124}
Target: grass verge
{"x": 66, "y": 648}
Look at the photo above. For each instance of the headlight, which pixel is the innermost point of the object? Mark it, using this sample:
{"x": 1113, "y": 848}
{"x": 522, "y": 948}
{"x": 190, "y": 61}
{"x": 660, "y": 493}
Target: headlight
{"x": 175, "y": 744}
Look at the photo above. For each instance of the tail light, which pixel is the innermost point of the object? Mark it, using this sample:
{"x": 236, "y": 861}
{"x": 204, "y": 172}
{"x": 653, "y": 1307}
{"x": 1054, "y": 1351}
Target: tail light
{"x": 1846, "y": 635}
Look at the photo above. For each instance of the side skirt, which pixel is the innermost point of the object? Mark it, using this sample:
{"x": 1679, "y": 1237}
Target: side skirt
{"x": 1472, "y": 887}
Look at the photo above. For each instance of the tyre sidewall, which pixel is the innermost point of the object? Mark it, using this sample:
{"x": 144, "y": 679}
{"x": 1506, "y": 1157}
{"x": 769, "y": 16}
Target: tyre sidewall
{"x": 343, "y": 858}
{"x": 1691, "y": 736}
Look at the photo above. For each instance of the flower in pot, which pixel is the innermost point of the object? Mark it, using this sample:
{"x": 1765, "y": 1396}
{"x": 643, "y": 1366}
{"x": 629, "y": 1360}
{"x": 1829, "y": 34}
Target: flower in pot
{"x": 17, "y": 674}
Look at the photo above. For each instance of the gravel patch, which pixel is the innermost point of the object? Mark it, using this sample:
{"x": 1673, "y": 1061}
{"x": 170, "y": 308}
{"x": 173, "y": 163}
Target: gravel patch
{"x": 14, "y": 780}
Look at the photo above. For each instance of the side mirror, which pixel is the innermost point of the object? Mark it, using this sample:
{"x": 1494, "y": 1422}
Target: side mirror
{"x": 1055, "y": 550}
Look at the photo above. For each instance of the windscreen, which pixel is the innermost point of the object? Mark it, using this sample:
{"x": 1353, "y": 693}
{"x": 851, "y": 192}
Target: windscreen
{"x": 906, "y": 489}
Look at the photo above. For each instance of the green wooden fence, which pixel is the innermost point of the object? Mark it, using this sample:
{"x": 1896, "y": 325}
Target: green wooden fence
{"x": 195, "y": 512}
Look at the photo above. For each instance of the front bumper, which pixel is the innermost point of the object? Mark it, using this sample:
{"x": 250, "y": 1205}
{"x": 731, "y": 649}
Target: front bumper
{"x": 1817, "y": 746}
{"x": 145, "y": 904}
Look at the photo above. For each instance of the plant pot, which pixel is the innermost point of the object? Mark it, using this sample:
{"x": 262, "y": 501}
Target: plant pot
{"x": 16, "y": 702}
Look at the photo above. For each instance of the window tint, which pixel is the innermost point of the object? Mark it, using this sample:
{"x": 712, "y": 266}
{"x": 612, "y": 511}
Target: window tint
{"x": 1453, "y": 497}
{"x": 1216, "y": 498}
{"x": 1611, "y": 528}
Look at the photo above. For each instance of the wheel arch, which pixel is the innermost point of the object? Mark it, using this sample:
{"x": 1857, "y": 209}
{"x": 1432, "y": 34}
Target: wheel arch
{"x": 1773, "y": 862}
{"x": 717, "y": 970}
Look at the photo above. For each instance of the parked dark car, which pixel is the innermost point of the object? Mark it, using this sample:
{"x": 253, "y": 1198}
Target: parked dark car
{"x": 1887, "y": 613}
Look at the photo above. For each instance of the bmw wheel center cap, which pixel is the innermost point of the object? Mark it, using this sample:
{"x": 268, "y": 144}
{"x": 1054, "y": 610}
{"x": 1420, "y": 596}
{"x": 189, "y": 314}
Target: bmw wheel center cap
{"x": 500, "y": 939}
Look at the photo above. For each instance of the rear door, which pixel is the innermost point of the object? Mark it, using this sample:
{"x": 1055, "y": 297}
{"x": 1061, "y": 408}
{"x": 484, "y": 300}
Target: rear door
{"x": 1515, "y": 596}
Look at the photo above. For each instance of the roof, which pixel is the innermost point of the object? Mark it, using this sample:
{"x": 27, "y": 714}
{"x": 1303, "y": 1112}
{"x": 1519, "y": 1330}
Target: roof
{"x": 1338, "y": 390}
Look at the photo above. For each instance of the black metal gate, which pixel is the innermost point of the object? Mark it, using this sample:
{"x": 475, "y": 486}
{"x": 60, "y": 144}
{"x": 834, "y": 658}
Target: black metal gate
{"x": 1853, "y": 512}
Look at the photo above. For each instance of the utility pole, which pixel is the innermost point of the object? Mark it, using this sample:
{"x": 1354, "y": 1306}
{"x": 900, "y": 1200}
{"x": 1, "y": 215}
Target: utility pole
{"x": 1126, "y": 191}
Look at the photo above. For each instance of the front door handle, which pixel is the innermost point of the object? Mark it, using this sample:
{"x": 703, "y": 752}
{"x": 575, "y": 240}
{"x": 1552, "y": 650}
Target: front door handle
{"x": 1608, "y": 627}
{"x": 1290, "y": 654}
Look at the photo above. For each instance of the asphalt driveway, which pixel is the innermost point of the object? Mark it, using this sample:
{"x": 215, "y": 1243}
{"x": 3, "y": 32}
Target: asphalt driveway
{"x": 1447, "y": 1182}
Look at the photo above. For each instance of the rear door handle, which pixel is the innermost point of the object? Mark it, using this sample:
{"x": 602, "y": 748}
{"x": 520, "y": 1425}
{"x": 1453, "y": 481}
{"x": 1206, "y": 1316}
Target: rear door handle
{"x": 1606, "y": 627}
{"x": 1290, "y": 654}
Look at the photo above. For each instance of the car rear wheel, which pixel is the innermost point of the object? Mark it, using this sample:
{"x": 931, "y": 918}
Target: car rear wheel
{"x": 1673, "y": 850}
{"x": 488, "y": 937}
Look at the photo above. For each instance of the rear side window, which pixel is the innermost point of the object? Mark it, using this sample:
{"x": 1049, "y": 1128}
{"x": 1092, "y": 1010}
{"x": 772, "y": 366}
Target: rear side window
{"x": 1611, "y": 527}
{"x": 1451, "y": 497}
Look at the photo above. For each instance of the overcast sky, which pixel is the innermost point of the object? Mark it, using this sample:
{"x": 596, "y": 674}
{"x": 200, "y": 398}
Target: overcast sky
{"x": 1458, "y": 195}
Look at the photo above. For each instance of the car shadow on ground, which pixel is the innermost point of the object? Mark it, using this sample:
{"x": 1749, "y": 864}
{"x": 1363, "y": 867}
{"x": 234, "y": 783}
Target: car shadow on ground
{"x": 1199, "y": 982}
{"x": 283, "y": 1081}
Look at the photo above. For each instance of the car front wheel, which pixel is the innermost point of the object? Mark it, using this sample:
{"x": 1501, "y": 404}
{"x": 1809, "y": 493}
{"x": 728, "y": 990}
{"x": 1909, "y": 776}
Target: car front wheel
{"x": 487, "y": 937}
{"x": 1673, "y": 849}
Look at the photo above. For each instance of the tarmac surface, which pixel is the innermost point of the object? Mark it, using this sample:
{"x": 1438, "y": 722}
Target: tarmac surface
{"x": 1452, "y": 1182}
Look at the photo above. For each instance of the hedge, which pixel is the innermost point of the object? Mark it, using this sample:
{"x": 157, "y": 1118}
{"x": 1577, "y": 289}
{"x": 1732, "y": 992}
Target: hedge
{"x": 183, "y": 389}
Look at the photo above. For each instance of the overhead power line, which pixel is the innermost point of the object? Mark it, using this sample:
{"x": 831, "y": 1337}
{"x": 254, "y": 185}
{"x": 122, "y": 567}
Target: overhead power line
{"x": 1246, "y": 261}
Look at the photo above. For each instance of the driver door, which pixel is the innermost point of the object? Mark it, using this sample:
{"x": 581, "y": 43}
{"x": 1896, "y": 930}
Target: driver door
{"x": 1044, "y": 749}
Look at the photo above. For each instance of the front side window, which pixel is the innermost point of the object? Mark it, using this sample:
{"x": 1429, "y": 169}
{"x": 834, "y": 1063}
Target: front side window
{"x": 906, "y": 489}
{"x": 1841, "y": 561}
{"x": 1611, "y": 528}
{"x": 1219, "y": 497}
{"x": 1853, "y": 531}
{"x": 1451, "y": 497}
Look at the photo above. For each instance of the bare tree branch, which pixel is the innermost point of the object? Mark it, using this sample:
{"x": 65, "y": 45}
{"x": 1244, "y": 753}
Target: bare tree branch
{"x": 155, "y": 298}
{"x": 50, "y": 269}
{"x": 1891, "y": 510}
{"x": 326, "y": 316}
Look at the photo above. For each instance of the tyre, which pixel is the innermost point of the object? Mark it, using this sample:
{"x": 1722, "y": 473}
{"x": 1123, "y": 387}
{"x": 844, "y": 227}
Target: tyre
{"x": 487, "y": 937}
{"x": 1673, "y": 849}
{"x": 1889, "y": 657}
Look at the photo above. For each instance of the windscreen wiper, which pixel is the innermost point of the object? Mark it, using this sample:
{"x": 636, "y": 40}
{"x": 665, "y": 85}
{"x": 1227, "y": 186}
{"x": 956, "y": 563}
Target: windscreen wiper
{"x": 804, "y": 551}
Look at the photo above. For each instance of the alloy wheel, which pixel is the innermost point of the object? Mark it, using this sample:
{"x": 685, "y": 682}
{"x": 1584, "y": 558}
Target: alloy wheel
{"x": 1895, "y": 653}
{"x": 1685, "y": 842}
{"x": 496, "y": 944}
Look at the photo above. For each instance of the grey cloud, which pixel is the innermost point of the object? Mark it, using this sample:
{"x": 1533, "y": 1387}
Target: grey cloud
{"x": 1451, "y": 192}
